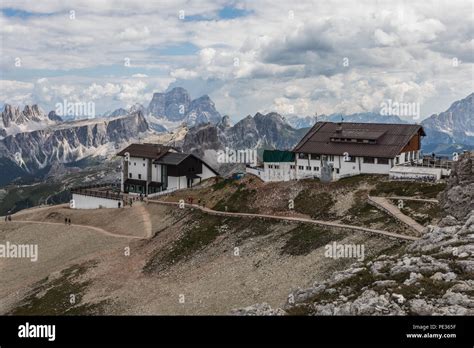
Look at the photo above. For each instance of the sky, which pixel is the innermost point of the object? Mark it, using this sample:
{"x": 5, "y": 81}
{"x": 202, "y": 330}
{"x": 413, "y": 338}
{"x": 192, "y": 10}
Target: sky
{"x": 292, "y": 57}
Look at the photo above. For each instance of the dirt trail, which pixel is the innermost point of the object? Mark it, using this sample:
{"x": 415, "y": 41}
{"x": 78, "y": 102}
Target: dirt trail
{"x": 146, "y": 221}
{"x": 297, "y": 219}
{"x": 97, "y": 229}
{"x": 385, "y": 204}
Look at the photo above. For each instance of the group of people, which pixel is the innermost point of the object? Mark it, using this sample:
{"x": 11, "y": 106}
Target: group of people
{"x": 8, "y": 218}
{"x": 67, "y": 221}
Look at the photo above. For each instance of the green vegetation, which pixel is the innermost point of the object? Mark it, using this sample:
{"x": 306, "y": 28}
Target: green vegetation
{"x": 363, "y": 214}
{"x": 203, "y": 232}
{"x": 222, "y": 184}
{"x": 18, "y": 198}
{"x": 316, "y": 205}
{"x": 54, "y": 297}
{"x": 239, "y": 201}
{"x": 422, "y": 212}
{"x": 396, "y": 188}
{"x": 305, "y": 238}
{"x": 196, "y": 237}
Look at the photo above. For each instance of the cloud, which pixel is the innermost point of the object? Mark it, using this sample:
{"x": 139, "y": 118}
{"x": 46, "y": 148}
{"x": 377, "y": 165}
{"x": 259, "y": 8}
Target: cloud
{"x": 315, "y": 56}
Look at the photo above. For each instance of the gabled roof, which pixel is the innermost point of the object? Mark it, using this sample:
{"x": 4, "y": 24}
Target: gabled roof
{"x": 174, "y": 159}
{"x": 386, "y": 140}
{"x": 278, "y": 156}
{"x": 153, "y": 151}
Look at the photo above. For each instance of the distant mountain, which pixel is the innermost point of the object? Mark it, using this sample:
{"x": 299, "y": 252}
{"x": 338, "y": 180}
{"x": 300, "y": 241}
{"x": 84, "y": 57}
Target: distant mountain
{"x": 14, "y": 121}
{"x": 270, "y": 131}
{"x": 31, "y": 152}
{"x": 176, "y": 106}
{"x": 363, "y": 117}
{"x": 452, "y": 130}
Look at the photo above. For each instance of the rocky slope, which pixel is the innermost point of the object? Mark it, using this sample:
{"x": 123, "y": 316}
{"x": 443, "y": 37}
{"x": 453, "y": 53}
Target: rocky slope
{"x": 432, "y": 276}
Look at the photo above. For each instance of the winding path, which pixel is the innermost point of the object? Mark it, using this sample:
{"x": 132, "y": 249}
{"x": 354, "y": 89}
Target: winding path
{"x": 96, "y": 229}
{"x": 287, "y": 218}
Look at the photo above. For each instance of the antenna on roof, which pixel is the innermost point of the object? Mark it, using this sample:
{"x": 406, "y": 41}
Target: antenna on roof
{"x": 342, "y": 118}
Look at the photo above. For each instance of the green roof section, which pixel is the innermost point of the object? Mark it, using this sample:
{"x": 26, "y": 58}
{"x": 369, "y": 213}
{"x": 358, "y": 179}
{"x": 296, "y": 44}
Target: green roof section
{"x": 278, "y": 156}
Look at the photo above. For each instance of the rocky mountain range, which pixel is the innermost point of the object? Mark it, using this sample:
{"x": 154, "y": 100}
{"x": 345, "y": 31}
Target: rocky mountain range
{"x": 452, "y": 130}
{"x": 33, "y": 151}
{"x": 269, "y": 131}
{"x": 13, "y": 120}
{"x": 169, "y": 110}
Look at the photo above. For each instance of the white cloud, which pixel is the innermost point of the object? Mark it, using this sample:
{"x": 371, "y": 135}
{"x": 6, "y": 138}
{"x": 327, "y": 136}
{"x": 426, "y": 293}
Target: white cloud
{"x": 267, "y": 60}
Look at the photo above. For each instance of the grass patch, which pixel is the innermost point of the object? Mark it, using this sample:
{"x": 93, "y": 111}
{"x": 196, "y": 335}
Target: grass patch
{"x": 222, "y": 184}
{"x": 396, "y": 188}
{"x": 305, "y": 238}
{"x": 422, "y": 212}
{"x": 202, "y": 232}
{"x": 54, "y": 297}
{"x": 316, "y": 205}
{"x": 239, "y": 201}
{"x": 364, "y": 214}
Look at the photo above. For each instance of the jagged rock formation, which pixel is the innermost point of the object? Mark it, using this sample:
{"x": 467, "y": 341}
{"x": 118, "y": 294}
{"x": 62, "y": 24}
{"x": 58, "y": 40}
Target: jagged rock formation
{"x": 177, "y": 106}
{"x": 13, "y": 120}
{"x": 269, "y": 131}
{"x": 452, "y": 129}
{"x": 431, "y": 276}
{"x": 68, "y": 143}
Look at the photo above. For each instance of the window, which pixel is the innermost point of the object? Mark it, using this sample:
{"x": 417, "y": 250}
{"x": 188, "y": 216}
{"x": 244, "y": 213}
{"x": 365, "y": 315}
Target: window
{"x": 316, "y": 169}
{"x": 369, "y": 160}
{"x": 300, "y": 167}
{"x": 277, "y": 166}
{"x": 382, "y": 160}
{"x": 130, "y": 175}
{"x": 350, "y": 159}
{"x": 331, "y": 158}
{"x": 134, "y": 163}
{"x": 406, "y": 156}
{"x": 337, "y": 170}
{"x": 292, "y": 166}
{"x": 139, "y": 176}
{"x": 303, "y": 155}
{"x": 308, "y": 168}
{"x": 155, "y": 165}
{"x": 270, "y": 166}
{"x": 397, "y": 160}
{"x": 143, "y": 164}
{"x": 316, "y": 157}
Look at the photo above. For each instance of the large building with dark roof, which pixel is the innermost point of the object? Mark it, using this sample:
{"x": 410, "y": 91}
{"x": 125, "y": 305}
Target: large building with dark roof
{"x": 152, "y": 168}
{"x": 331, "y": 151}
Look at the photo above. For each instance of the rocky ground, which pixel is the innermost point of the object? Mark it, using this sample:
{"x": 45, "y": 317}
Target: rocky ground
{"x": 431, "y": 276}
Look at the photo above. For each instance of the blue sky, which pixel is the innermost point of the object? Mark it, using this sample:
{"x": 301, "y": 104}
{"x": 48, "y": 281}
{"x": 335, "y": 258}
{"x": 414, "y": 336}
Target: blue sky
{"x": 249, "y": 56}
